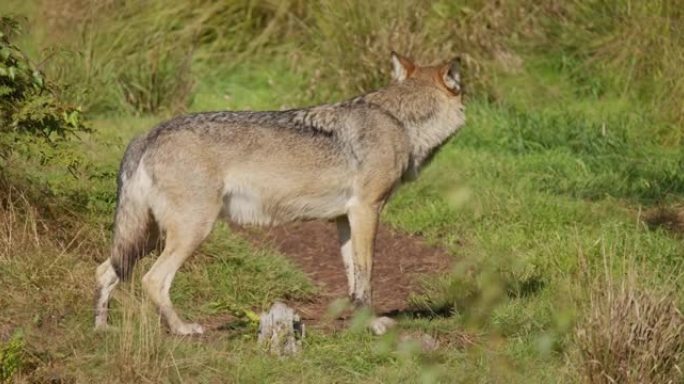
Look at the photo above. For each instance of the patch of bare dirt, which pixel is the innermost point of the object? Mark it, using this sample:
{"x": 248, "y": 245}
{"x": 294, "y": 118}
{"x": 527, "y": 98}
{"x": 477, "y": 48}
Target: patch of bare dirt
{"x": 400, "y": 259}
{"x": 670, "y": 218}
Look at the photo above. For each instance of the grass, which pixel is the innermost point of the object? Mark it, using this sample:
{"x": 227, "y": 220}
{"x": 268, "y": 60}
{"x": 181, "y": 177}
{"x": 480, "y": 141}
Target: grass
{"x": 551, "y": 177}
{"x": 632, "y": 335}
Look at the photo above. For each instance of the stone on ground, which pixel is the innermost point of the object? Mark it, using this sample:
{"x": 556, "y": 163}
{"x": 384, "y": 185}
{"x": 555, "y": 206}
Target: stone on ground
{"x": 281, "y": 330}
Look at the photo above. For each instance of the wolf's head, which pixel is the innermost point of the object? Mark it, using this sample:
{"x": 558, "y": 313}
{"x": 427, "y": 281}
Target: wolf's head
{"x": 428, "y": 100}
{"x": 445, "y": 77}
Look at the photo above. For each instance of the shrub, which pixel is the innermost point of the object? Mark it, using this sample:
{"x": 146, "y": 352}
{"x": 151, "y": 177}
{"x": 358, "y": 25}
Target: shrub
{"x": 33, "y": 120}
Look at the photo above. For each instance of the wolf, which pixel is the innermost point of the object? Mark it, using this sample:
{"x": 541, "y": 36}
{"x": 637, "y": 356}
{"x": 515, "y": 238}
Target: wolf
{"x": 338, "y": 162}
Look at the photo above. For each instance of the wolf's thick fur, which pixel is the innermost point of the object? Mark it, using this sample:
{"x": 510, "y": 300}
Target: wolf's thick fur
{"x": 339, "y": 161}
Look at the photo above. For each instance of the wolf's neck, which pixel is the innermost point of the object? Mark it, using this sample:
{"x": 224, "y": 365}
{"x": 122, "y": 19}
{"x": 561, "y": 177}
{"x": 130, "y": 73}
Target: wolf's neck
{"x": 427, "y": 125}
{"x": 430, "y": 134}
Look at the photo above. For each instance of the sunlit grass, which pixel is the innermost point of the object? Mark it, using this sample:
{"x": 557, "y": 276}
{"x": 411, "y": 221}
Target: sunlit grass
{"x": 561, "y": 154}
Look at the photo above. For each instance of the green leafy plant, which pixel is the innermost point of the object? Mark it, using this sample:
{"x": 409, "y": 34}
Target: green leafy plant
{"x": 10, "y": 357}
{"x": 33, "y": 120}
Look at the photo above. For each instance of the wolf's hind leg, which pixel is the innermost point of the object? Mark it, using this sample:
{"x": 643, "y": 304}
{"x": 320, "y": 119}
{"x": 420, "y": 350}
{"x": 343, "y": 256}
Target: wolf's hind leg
{"x": 344, "y": 233}
{"x": 181, "y": 242}
{"x": 106, "y": 282}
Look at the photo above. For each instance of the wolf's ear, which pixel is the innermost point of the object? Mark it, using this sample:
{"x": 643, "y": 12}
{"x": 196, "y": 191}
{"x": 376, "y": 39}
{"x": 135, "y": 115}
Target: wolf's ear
{"x": 402, "y": 67}
{"x": 452, "y": 75}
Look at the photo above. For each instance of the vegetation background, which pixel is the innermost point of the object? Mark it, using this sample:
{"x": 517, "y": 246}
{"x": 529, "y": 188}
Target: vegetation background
{"x": 561, "y": 200}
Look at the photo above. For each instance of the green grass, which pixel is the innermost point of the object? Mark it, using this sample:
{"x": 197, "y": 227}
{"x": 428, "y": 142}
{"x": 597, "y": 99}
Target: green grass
{"x": 541, "y": 194}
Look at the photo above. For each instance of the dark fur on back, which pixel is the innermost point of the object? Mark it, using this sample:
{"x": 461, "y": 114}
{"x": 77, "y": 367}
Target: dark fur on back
{"x": 316, "y": 121}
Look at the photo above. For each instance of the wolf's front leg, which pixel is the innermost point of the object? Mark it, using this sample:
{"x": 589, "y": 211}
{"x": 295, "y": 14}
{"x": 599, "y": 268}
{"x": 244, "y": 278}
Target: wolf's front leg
{"x": 363, "y": 221}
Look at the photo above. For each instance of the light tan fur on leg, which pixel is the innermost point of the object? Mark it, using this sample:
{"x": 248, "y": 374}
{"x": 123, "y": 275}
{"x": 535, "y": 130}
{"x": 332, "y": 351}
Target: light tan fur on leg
{"x": 364, "y": 225}
{"x": 363, "y": 219}
{"x": 106, "y": 282}
{"x": 181, "y": 242}
{"x": 344, "y": 233}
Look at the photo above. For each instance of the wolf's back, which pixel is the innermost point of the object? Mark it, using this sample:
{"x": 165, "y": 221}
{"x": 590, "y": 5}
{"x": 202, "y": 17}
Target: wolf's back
{"x": 133, "y": 220}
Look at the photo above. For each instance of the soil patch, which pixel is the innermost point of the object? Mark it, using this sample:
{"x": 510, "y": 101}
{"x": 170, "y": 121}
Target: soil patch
{"x": 399, "y": 263}
{"x": 670, "y": 218}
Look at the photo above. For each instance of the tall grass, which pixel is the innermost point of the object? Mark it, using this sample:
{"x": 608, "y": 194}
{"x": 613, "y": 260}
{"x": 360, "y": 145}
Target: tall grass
{"x": 631, "y": 332}
{"x": 345, "y": 44}
{"x": 638, "y": 44}
{"x": 353, "y": 39}
{"x": 138, "y": 55}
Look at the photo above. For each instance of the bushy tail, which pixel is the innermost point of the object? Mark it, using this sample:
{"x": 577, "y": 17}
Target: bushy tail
{"x": 134, "y": 226}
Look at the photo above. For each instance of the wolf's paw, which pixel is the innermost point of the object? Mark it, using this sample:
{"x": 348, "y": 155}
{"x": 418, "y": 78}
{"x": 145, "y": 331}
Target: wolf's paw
{"x": 188, "y": 329}
{"x": 101, "y": 323}
{"x": 101, "y": 327}
{"x": 380, "y": 325}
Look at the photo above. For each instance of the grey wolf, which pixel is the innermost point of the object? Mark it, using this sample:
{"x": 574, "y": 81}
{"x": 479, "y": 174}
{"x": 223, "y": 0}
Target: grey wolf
{"x": 336, "y": 161}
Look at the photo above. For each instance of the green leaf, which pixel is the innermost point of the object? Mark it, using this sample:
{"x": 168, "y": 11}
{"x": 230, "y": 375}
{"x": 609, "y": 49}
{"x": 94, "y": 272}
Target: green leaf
{"x": 5, "y": 90}
{"x": 38, "y": 78}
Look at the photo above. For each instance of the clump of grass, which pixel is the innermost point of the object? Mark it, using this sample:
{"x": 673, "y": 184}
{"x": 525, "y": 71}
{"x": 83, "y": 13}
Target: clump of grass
{"x": 120, "y": 57}
{"x": 19, "y": 228}
{"x": 630, "y": 334}
{"x": 136, "y": 347}
{"x": 160, "y": 81}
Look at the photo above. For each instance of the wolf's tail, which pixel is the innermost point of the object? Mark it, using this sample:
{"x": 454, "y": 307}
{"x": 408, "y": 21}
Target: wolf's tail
{"x": 134, "y": 226}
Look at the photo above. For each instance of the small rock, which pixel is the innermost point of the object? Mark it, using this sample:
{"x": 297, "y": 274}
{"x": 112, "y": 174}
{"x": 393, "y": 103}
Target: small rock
{"x": 281, "y": 330}
{"x": 380, "y": 325}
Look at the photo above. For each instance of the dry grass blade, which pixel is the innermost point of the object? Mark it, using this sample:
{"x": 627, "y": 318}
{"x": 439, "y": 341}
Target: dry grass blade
{"x": 18, "y": 223}
{"x": 631, "y": 335}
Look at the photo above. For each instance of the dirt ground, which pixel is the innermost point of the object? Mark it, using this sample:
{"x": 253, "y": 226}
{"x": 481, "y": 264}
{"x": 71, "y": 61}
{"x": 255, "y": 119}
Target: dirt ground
{"x": 400, "y": 260}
